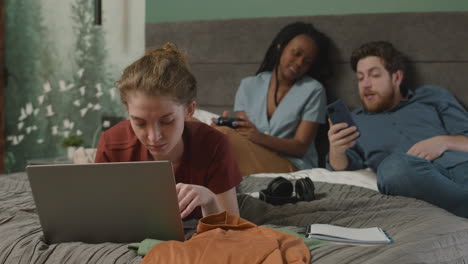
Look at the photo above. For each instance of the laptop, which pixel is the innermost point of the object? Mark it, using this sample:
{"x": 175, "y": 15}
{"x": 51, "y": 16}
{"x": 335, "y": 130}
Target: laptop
{"x": 120, "y": 202}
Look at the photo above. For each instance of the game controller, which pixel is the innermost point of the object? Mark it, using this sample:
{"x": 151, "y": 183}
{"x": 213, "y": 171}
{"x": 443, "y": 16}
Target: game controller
{"x": 228, "y": 121}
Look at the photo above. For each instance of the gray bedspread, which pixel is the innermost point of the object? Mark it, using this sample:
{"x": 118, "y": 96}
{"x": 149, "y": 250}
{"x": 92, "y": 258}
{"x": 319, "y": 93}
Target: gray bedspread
{"x": 422, "y": 233}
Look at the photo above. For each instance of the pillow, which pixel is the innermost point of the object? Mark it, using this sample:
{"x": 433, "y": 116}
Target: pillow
{"x": 204, "y": 116}
{"x": 364, "y": 178}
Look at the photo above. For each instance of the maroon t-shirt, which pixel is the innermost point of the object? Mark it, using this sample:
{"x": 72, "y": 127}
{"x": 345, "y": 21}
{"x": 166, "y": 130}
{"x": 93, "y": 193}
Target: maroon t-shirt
{"x": 207, "y": 159}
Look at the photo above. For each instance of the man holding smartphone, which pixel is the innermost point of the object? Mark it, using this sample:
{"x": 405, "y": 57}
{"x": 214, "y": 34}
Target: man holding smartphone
{"x": 416, "y": 141}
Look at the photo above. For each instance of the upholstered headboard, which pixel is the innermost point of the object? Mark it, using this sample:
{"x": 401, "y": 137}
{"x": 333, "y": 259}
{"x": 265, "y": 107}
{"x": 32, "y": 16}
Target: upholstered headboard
{"x": 222, "y": 52}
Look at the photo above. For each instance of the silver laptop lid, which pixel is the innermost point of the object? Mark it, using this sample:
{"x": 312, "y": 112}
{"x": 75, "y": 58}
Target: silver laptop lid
{"x": 106, "y": 202}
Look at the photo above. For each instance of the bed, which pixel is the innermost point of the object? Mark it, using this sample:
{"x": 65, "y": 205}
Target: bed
{"x": 220, "y": 54}
{"x": 422, "y": 233}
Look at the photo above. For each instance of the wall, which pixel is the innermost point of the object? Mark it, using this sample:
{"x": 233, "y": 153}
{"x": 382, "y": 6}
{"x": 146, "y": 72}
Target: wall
{"x": 62, "y": 71}
{"x": 167, "y": 10}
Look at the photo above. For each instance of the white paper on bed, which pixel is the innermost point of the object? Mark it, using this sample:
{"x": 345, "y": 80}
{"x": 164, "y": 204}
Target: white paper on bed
{"x": 372, "y": 235}
{"x": 363, "y": 178}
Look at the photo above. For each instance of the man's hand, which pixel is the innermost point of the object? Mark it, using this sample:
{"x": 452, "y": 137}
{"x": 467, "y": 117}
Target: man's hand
{"x": 341, "y": 137}
{"x": 430, "y": 148}
{"x": 191, "y": 196}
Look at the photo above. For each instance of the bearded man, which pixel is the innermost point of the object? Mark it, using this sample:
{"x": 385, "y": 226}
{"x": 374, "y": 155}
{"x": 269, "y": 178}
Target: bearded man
{"x": 416, "y": 141}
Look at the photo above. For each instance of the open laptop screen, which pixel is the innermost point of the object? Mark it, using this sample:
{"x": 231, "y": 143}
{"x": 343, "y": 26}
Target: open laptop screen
{"x": 106, "y": 202}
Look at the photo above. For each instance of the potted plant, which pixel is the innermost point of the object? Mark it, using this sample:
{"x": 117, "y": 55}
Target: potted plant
{"x": 71, "y": 143}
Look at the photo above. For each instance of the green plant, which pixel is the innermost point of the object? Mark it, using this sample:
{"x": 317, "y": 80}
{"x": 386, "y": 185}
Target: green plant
{"x": 9, "y": 161}
{"x": 72, "y": 141}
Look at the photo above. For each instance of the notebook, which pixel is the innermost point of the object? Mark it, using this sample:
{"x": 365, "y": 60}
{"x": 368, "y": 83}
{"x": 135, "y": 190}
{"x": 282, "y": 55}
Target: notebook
{"x": 106, "y": 202}
{"x": 373, "y": 235}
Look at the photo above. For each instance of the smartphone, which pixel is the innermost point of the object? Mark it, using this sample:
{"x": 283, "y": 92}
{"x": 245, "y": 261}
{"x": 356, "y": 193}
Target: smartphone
{"x": 338, "y": 112}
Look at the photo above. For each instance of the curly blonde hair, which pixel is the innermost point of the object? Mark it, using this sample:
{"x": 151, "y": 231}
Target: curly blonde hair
{"x": 161, "y": 71}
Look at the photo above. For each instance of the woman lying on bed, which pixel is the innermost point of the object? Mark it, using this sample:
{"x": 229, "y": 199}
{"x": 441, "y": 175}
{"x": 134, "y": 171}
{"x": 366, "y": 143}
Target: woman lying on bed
{"x": 283, "y": 105}
{"x": 159, "y": 92}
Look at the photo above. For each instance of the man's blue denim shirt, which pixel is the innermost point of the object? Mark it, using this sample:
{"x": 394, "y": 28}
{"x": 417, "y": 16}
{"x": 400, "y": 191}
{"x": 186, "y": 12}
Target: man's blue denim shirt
{"x": 427, "y": 112}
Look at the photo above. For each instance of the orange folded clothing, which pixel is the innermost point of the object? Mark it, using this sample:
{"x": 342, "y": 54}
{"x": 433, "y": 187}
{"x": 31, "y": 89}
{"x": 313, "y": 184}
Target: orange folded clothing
{"x": 226, "y": 238}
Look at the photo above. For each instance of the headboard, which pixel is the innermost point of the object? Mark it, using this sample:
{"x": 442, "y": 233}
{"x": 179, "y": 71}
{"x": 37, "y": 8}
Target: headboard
{"x": 222, "y": 52}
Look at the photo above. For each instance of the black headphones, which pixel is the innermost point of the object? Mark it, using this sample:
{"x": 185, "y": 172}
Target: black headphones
{"x": 279, "y": 191}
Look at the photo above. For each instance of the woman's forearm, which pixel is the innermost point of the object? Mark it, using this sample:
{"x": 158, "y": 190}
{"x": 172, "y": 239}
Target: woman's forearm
{"x": 211, "y": 208}
{"x": 296, "y": 146}
{"x": 227, "y": 201}
{"x": 290, "y": 147}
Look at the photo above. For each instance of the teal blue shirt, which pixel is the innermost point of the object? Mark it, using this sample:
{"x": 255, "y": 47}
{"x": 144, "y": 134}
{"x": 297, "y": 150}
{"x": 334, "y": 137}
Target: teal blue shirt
{"x": 429, "y": 111}
{"x": 305, "y": 101}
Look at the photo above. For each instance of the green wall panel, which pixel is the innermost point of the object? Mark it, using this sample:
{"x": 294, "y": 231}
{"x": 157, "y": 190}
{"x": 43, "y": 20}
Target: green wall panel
{"x": 180, "y": 10}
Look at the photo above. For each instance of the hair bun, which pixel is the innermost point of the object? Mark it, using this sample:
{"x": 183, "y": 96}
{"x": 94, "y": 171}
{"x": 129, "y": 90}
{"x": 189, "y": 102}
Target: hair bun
{"x": 161, "y": 71}
{"x": 167, "y": 49}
